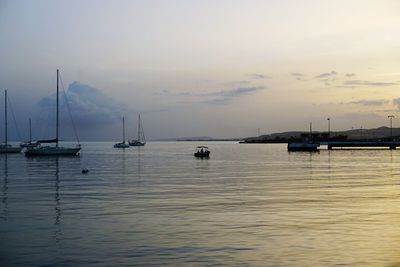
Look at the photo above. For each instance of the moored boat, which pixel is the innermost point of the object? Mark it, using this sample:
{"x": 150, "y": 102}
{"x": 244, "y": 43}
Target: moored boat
{"x": 141, "y": 140}
{"x": 6, "y": 147}
{"x": 29, "y": 144}
{"x": 202, "y": 152}
{"x": 308, "y": 143}
{"x": 302, "y": 146}
{"x": 53, "y": 150}
{"x": 122, "y": 144}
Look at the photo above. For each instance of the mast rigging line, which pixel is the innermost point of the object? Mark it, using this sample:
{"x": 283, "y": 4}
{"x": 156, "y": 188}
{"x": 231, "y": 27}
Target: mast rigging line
{"x": 69, "y": 110}
{"x": 13, "y": 116}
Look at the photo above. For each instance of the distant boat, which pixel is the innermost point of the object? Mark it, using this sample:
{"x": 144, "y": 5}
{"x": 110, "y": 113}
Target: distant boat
{"x": 7, "y": 148}
{"x": 53, "y": 150}
{"x": 308, "y": 143}
{"x": 29, "y": 144}
{"x": 141, "y": 139}
{"x": 202, "y": 152}
{"x": 123, "y": 144}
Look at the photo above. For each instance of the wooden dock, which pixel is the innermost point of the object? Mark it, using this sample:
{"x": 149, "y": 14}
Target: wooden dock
{"x": 361, "y": 144}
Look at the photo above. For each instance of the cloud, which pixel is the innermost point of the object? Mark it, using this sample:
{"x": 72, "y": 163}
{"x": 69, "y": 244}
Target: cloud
{"x": 221, "y": 97}
{"x": 396, "y": 102}
{"x": 224, "y": 97}
{"x": 327, "y": 75}
{"x": 236, "y": 83}
{"x": 349, "y": 75}
{"x": 259, "y": 76}
{"x": 297, "y": 74}
{"x": 361, "y": 117}
{"x": 378, "y": 102}
{"x": 236, "y": 92}
{"x": 356, "y": 83}
{"x": 89, "y": 106}
{"x": 217, "y": 101}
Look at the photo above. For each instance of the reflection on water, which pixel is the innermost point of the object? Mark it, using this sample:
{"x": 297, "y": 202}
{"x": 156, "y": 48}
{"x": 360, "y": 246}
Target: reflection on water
{"x": 57, "y": 233}
{"x": 248, "y": 205}
{"x": 5, "y": 188}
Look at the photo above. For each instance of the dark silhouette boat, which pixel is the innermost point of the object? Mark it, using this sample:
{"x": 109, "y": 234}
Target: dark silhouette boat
{"x": 202, "y": 152}
{"x": 122, "y": 144}
{"x": 302, "y": 146}
{"x": 308, "y": 143}
{"x": 141, "y": 139}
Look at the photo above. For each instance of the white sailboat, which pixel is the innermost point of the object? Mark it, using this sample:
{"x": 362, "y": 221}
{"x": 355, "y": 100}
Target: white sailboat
{"x": 7, "y": 148}
{"x": 123, "y": 144}
{"x": 141, "y": 140}
{"x": 53, "y": 150}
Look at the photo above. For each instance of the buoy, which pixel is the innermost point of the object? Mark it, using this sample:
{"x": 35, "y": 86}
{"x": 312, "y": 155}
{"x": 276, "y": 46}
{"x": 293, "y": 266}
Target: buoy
{"x": 85, "y": 171}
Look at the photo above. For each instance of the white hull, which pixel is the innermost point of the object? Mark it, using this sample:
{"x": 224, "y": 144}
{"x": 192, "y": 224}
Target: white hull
{"x": 52, "y": 151}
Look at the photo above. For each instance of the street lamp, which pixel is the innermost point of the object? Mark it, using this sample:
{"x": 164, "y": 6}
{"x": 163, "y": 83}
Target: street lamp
{"x": 391, "y": 125}
{"x": 329, "y": 127}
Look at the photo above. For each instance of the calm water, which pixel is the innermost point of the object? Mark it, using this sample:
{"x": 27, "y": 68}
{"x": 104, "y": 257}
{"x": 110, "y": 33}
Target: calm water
{"x": 248, "y": 205}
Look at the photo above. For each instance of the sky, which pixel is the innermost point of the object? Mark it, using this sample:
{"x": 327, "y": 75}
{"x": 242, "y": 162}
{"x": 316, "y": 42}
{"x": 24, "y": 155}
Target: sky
{"x": 200, "y": 68}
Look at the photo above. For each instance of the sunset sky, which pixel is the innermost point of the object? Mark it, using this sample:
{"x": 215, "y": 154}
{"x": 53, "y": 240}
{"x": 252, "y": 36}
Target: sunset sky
{"x": 202, "y": 68}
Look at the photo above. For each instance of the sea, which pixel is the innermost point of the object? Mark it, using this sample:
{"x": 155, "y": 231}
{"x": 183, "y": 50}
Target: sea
{"x": 158, "y": 205}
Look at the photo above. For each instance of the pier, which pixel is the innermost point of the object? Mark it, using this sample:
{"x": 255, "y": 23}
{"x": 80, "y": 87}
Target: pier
{"x": 360, "y": 144}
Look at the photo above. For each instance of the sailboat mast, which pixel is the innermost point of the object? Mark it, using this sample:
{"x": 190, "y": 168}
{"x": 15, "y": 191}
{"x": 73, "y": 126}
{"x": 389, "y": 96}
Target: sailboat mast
{"x": 138, "y": 129}
{"x": 30, "y": 131}
{"x": 123, "y": 130}
{"x": 57, "y": 114}
{"x": 5, "y": 116}
{"x": 143, "y": 139}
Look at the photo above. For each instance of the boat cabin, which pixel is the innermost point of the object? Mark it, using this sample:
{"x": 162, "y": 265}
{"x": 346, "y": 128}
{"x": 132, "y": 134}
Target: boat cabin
{"x": 202, "y": 151}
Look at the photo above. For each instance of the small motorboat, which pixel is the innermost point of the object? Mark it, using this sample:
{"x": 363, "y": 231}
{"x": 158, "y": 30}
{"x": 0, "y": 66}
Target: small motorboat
{"x": 202, "y": 152}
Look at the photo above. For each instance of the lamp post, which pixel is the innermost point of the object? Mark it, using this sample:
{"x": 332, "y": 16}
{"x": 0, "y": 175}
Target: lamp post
{"x": 329, "y": 127}
{"x": 391, "y": 126}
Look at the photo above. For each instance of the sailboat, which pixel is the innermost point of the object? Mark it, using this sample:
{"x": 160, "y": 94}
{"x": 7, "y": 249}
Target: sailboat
{"x": 53, "y": 150}
{"x": 7, "y": 148}
{"x": 141, "y": 140}
{"x": 123, "y": 144}
{"x": 29, "y": 144}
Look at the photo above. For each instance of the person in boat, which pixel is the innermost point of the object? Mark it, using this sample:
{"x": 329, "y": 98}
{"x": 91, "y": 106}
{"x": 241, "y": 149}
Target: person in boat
{"x": 201, "y": 150}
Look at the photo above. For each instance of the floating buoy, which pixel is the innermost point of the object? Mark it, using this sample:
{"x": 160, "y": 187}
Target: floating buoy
{"x": 85, "y": 171}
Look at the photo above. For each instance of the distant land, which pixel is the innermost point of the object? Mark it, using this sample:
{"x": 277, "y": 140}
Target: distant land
{"x": 284, "y": 137}
{"x": 355, "y": 134}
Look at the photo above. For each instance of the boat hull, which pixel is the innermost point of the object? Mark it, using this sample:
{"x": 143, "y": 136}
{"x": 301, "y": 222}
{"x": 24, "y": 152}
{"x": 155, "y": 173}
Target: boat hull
{"x": 303, "y": 147}
{"x": 9, "y": 149}
{"x": 202, "y": 154}
{"x": 121, "y": 145}
{"x": 29, "y": 145}
{"x": 136, "y": 143}
{"x": 52, "y": 151}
